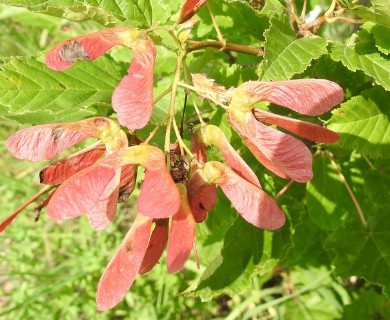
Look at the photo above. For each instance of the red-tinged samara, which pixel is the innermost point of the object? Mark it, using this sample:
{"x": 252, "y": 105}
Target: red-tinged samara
{"x": 133, "y": 97}
{"x": 94, "y": 190}
{"x": 251, "y": 202}
{"x": 190, "y": 8}
{"x": 139, "y": 251}
{"x": 281, "y": 153}
{"x": 44, "y": 142}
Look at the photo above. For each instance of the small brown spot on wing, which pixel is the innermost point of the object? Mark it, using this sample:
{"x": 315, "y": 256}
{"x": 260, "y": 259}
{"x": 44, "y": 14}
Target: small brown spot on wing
{"x": 100, "y": 121}
{"x": 142, "y": 36}
{"x": 129, "y": 246}
{"x": 73, "y": 51}
{"x": 57, "y": 132}
{"x": 124, "y": 194}
{"x": 201, "y": 206}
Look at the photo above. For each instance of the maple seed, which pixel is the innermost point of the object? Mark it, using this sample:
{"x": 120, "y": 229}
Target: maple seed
{"x": 189, "y": 8}
{"x": 73, "y": 51}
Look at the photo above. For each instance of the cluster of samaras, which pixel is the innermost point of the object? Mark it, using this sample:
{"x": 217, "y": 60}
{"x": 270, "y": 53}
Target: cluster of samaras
{"x": 175, "y": 186}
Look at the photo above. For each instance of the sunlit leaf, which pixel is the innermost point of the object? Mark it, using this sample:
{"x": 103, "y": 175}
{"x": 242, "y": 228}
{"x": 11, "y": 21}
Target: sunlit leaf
{"x": 27, "y": 86}
{"x": 328, "y": 202}
{"x": 288, "y": 55}
{"x": 244, "y": 250}
{"x": 369, "y": 305}
{"x": 363, "y": 55}
{"x": 108, "y": 13}
{"x": 363, "y": 251}
{"x": 363, "y": 123}
{"x": 379, "y": 12}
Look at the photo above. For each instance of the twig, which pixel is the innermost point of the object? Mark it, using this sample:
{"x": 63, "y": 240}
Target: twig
{"x": 349, "y": 190}
{"x": 11, "y": 217}
{"x": 219, "y": 34}
{"x": 284, "y": 189}
{"x": 196, "y": 45}
{"x": 162, "y": 94}
{"x": 154, "y": 131}
{"x": 198, "y": 113}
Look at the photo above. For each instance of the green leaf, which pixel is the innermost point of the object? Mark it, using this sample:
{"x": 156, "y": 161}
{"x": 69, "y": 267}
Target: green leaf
{"x": 378, "y": 13}
{"x": 381, "y": 36}
{"x": 308, "y": 252}
{"x": 25, "y": 33}
{"x": 264, "y": 7}
{"x": 140, "y": 13}
{"x": 282, "y": 239}
{"x": 28, "y": 87}
{"x": 347, "y": 3}
{"x": 362, "y": 54}
{"x": 363, "y": 123}
{"x": 328, "y": 202}
{"x": 363, "y": 251}
{"x": 271, "y": 7}
{"x": 353, "y": 83}
{"x": 376, "y": 186}
{"x": 319, "y": 303}
{"x": 246, "y": 251}
{"x": 370, "y": 305}
{"x": 212, "y": 231}
{"x": 234, "y": 20}
{"x": 287, "y": 55}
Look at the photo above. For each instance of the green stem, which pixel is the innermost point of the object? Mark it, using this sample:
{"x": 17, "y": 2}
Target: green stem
{"x": 171, "y": 113}
{"x": 329, "y": 12}
{"x": 369, "y": 163}
{"x": 151, "y": 29}
{"x": 219, "y": 34}
{"x": 178, "y": 43}
{"x": 153, "y": 132}
{"x": 204, "y": 93}
{"x": 349, "y": 190}
{"x": 162, "y": 94}
{"x": 187, "y": 78}
{"x": 303, "y": 12}
{"x": 180, "y": 140}
{"x": 192, "y": 88}
{"x": 265, "y": 306}
{"x": 255, "y": 297}
{"x": 199, "y": 114}
{"x": 284, "y": 189}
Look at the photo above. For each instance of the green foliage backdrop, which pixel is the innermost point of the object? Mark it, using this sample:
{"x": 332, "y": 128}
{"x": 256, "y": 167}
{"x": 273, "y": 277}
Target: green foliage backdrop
{"x": 331, "y": 259}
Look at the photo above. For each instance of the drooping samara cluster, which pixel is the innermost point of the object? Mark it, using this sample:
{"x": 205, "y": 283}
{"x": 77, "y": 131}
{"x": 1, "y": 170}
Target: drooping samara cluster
{"x": 177, "y": 191}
